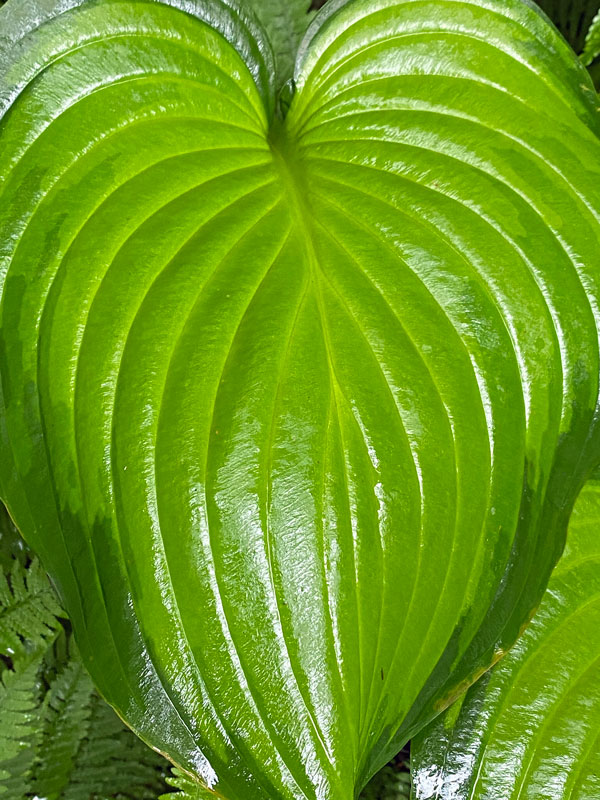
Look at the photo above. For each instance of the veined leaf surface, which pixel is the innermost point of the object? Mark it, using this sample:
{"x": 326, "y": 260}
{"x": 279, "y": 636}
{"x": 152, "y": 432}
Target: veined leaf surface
{"x": 295, "y": 413}
{"x": 529, "y": 729}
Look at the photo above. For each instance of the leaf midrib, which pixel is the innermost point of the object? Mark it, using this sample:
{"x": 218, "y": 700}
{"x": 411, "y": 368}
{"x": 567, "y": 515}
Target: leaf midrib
{"x": 294, "y": 188}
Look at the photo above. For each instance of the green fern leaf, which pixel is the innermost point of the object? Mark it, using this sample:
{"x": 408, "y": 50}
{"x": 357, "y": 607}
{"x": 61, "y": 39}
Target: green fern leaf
{"x": 19, "y": 713}
{"x": 28, "y": 610}
{"x": 189, "y": 789}
{"x": 591, "y": 51}
{"x": 58, "y": 739}
{"x": 65, "y": 715}
{"x": 112, "y": 763}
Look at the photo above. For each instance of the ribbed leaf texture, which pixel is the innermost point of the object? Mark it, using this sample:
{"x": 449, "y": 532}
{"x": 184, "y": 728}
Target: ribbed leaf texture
{"x": 390, "y": 783}
{"x": 530, "y": 728}
{"x": 295, "y": 412}
{"x": 59, "y": 738}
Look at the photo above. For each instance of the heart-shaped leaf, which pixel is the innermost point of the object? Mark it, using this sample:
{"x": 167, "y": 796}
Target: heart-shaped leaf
{"x": 530, "y": 728}
{"x": 295, "y": 413}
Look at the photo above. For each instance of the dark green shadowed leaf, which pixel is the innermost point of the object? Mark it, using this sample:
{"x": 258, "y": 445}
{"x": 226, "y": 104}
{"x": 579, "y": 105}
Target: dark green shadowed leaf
{"x": 285, "y": 22}
{"x": 579, "y": 22}
{"x": 531, "y": 727}
{"x": 11, "y": 544}
{"x": 391, "y": 783}
{"x": 595, "y": 73}
{"x": 295, "y": 413}
{"x": 573, "y": 18}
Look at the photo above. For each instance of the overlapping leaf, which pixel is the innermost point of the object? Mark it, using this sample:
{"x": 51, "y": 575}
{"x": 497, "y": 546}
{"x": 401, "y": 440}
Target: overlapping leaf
{"x": 285, "y": 22}
{"x": 295, "y": 413}
{"x": 531, "y": 727}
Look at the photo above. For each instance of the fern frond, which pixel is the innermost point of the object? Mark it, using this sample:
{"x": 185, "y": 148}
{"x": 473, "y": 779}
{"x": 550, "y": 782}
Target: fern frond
{"x": 112, "y": 762}
{"x": 188, "y": 788}
{"x": 19, "y": 712}
{"x": 28, "y": 610}
{"x": 64, "y": 718}
{"x": 591, "y": 51}
{"x": 58, "y": 739}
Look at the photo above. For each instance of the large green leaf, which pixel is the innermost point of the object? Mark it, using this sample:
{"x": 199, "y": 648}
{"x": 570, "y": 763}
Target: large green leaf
{"x": 295, "y": 413}
{"x": 530, "y": 728}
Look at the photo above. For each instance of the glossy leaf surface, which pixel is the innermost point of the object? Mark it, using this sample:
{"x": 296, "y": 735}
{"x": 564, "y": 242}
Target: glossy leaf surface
{"x": 295, "y": 413}
{"x": 530, "y": 728}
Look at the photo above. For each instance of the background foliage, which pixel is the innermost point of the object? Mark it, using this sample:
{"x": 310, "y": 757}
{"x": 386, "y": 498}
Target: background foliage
{"x": 58, "y": 738}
